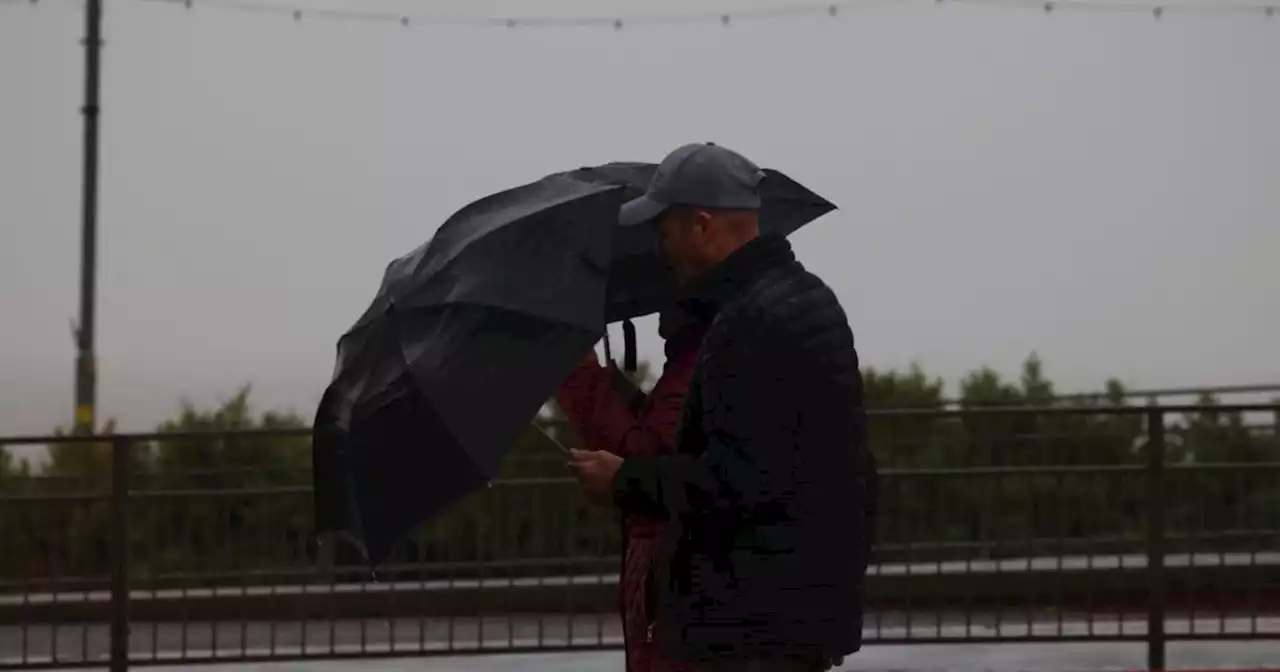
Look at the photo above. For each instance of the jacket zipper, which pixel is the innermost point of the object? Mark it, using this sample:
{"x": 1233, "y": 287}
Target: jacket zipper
{"x": 649, "y": 600}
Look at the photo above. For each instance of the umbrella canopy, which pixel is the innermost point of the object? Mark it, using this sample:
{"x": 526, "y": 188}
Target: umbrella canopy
{"x": 470, "y": 334}
{"x": 458, "y": 351}
{"x": 639, "y": 282}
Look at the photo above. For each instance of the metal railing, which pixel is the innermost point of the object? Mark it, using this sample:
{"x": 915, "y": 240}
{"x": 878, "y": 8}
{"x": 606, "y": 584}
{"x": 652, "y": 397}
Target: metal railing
{"x": 998, "y": 525}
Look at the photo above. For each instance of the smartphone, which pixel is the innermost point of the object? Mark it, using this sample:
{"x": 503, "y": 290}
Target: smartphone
{"x": 551, "y": 439}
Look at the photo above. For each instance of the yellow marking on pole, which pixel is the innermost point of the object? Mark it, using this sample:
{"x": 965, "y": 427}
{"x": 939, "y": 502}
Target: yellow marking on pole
{"x": 84, "y": 416}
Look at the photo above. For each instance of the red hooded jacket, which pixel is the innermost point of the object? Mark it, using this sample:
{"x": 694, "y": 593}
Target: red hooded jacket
{"x": 607, "y": 420}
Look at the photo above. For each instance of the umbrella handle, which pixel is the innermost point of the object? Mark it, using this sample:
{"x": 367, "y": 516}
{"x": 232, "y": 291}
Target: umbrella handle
{"x": 629, "y": 363}
{"x": 629, "y": 346}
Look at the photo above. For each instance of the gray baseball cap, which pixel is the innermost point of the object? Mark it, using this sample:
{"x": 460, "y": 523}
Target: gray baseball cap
{"x": 701, "y": 174}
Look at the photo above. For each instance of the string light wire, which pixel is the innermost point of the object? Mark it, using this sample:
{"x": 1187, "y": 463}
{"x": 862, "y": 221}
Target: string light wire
{"x": 617, "y": 22}
{"x": 1157, "y": 9}
{"x": 726, "y": 18}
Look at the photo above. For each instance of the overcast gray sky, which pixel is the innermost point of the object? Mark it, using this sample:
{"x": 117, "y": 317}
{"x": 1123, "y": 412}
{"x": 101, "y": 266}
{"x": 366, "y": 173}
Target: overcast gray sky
{"x": 1103, "y": 188}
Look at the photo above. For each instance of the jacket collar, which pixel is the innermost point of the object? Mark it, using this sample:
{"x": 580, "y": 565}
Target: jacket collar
{"x": 722, "y": 283}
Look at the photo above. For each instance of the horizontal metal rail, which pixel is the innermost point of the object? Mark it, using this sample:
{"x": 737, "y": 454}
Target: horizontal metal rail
{"x": 922, "y": 413}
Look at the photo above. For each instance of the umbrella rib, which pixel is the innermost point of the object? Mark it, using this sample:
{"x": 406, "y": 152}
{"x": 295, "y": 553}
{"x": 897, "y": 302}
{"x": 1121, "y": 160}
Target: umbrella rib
{"x": 506, "y": 310}
{"x": 592, "y": 190}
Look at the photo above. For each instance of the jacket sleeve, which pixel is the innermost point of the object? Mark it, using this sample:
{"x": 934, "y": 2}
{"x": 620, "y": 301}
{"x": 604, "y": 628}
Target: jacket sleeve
{"x": 594, "y": 407}
{"x": 654, "y": 431}
{"x": 605, "y": 419}
{"x": 747, "y": 466}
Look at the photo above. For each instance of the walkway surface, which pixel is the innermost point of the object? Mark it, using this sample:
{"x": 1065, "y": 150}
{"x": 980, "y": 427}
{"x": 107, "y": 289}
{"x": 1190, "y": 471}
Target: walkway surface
{"x": 173, "y": 641}
{"x": 917, "y": 658}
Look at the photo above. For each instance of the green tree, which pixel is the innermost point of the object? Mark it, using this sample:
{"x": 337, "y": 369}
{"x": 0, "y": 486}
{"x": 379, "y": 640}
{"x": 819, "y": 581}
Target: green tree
{"x": 81, "y": 466}
{"x": 15, "y": 518}
{"x": 10, "y": 467}
{"x": 1233, "y": 497}
{"x": 230, "y": 460}
{"x": 15, "y": 474}
{"x": 80, "y": 470}
{"x": 227, "y": 501}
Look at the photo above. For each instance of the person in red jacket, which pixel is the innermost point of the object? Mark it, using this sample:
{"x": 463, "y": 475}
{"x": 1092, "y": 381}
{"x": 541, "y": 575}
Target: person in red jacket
{"x": 610, "y": 416}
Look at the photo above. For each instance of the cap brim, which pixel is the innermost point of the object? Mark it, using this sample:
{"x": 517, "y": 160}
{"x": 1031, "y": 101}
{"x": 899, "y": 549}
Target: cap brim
{"x": 640, "y": 211}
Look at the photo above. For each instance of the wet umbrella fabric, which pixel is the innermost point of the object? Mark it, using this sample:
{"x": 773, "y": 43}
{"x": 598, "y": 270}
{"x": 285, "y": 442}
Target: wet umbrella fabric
{"x": 459, "y": 350}
{"x": 470, "y": 333}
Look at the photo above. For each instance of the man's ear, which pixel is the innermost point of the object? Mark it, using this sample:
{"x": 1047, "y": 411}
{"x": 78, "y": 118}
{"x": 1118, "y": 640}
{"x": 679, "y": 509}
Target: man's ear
{"x": 703, "y": 219}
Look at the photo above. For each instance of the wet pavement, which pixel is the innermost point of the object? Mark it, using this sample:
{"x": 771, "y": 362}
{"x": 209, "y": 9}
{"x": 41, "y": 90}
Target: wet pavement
{"x": 913, "y": 658}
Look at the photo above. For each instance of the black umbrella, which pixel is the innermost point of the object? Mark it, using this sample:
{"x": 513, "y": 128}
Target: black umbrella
{"x": 470, "y": 333}
{"x": 465, "y": 338}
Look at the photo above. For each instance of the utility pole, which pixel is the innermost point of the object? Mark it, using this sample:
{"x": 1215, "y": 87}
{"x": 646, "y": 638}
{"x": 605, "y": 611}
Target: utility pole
{"x": 86, "y": 370}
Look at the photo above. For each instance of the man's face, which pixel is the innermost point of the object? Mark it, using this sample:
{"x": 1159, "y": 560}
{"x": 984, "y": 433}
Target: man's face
{"x": 682, "y": 240}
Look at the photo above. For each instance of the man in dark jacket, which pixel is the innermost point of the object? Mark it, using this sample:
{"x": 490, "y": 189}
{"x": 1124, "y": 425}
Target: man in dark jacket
{"x": 772, "y": 491}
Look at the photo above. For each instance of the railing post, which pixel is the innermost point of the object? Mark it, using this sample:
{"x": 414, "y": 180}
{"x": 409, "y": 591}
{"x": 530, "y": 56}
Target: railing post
{"x": 121, "y": 465}
{"x": 1155, "y": 540}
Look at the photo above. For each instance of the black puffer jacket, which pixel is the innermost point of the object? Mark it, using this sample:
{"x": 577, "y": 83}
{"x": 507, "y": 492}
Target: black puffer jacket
{"x": 773, "y": 492}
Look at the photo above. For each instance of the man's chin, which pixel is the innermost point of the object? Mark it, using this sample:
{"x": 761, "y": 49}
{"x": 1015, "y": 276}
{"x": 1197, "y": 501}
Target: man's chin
{"x": 683, "y": 275}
